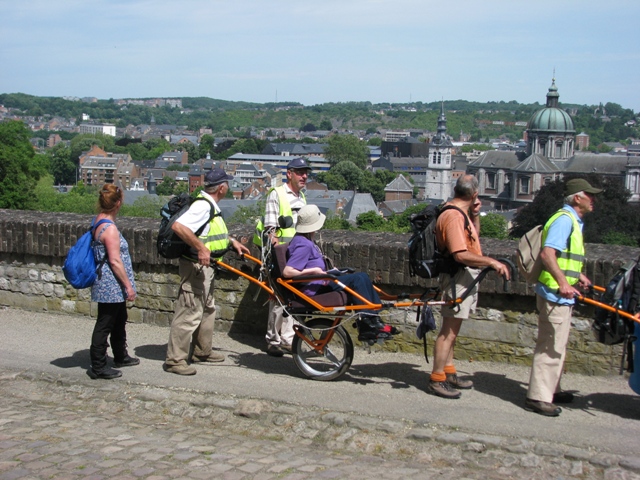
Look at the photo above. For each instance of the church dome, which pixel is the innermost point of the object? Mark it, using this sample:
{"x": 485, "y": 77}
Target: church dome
{"x": 551, "y": 118}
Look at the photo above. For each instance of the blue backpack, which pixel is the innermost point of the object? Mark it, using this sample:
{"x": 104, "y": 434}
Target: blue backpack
{"x": 80, "y": 268}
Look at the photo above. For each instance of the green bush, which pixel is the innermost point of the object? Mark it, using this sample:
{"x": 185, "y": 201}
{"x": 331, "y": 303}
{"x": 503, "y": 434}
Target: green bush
{"x": 619, "y": 238}
{"x": 370, "y": 221}
{"x": 493, "y": 225}
{"x": 335, "y": 222}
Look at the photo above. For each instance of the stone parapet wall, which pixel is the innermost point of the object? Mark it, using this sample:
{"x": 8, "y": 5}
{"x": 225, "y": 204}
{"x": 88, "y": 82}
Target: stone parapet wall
{"x": 33, "y": 246}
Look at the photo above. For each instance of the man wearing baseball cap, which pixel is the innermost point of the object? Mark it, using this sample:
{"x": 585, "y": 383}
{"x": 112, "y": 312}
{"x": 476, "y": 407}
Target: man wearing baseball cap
{"x": 195, "y": 312}
{"x": 562, "y": 257}
{"x": 284, "y": 201}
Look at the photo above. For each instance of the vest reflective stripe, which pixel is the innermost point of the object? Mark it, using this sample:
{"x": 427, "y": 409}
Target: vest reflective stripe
{"x": 217, "y": 238}
{"x": 571, "y": 259}
{"x": 284, "y": 235}
{"x": 572, "y": 256}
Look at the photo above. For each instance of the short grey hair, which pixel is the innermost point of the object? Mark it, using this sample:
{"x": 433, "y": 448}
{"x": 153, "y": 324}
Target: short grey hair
{"x": 570, "y": 198}
{"x": 466, "y": 187}
{"x": 213, "y": 189}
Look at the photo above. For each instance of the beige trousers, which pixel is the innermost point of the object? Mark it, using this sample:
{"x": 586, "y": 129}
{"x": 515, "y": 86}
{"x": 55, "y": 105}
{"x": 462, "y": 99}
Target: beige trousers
{"x": 194, "y": 317}
{"x": 554, "y": 325}
{"x": 279, "y": 328}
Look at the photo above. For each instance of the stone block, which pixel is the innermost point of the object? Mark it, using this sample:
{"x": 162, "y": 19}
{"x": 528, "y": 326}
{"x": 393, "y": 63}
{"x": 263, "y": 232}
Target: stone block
{"x": 54, "y": 304}
{"x": 491, "y": 331}
{"x": 19, "y": 300}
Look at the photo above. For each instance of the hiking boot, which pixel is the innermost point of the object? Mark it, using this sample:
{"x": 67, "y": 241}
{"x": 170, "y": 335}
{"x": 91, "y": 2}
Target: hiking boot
{"x": 563, "y": 397}
{"x": 275, "y": 351}
{"x": 455, "y": 382}
{"x": 106, "y": 374}
{"x": 543, "y": 408}
{"x": 180, "y": 369}
{"x": 127, "y": 362}
{"x": 443, "y": 389}
{"x": 214, "y": 357}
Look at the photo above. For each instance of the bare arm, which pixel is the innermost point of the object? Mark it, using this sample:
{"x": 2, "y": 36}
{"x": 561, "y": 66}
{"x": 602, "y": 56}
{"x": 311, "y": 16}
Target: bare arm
{"x": 238, "y": 247}
{"x": 111, "y": 240}
{"x": 548, "y": 255}
{"x": 474, "y": 260}
{"x": 474, "y": 214}
{"x": 290, "y": 272}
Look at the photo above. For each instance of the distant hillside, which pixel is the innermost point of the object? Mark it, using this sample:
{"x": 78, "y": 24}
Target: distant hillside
{"x": 480, "y": 120}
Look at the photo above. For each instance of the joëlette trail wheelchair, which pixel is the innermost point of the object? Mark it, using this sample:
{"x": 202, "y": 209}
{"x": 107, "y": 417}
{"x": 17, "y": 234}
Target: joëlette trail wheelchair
{"x": 322, "y": 348}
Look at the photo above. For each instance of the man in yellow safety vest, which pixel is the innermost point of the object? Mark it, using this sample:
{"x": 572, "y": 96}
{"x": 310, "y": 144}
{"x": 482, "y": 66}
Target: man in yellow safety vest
{"x": 283, "y": 201}
{"x": 562, "y": 257}
{"x": 194, "y": 316}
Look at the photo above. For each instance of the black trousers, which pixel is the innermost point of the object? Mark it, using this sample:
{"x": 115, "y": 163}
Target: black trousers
{"x": 111, "y": 321}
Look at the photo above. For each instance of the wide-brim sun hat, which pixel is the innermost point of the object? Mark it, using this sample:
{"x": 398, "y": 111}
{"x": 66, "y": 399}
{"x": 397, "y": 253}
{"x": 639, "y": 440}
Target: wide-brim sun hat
{"x": 310, "y": 219}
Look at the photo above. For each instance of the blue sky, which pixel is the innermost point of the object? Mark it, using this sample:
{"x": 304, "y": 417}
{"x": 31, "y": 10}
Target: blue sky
{"x": 323, "y": 51}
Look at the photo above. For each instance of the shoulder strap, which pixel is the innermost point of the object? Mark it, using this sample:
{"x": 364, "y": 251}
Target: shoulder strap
{"x": 467, "y": 225}
{"x": 94, "y": 226}
{"x": 567, "y": 213}
{"x": 212, "y": 214}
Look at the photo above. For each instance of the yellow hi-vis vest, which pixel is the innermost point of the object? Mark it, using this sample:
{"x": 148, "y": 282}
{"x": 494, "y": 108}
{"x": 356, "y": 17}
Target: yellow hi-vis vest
{"x": 571, "y": 258}
{"x": 284, "y": 234}
{"x": 217, "y": 238}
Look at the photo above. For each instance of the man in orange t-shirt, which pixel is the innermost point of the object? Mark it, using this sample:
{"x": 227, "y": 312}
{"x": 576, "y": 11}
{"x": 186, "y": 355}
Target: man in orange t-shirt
{"x": 457, "y": 233}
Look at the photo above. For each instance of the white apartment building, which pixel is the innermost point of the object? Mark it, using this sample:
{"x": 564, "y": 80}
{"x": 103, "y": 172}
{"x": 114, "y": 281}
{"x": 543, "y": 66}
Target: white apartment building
{"x": 98, "y": 128}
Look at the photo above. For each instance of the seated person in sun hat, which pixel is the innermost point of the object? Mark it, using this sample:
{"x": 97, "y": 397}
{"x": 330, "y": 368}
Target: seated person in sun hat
{"x": 304, "y": 257}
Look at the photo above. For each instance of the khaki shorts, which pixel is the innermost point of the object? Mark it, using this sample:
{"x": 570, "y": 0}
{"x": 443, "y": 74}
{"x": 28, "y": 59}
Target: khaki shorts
{"x": 463, "y": 278}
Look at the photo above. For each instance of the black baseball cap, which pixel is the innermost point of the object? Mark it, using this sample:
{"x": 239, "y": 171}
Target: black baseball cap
{"x": 216, "y": 176}
{"x": 298, "y": 164}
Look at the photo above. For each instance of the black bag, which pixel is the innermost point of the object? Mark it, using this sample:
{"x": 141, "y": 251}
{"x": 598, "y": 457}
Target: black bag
{"x": 425, "y": 260}
{"x": 169, "y": 244}
{"x": 621, "y": 292}
{"x": 427, "y": 323}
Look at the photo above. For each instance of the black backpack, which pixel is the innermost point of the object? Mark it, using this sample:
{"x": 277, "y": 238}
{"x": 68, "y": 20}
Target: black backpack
{"x": 621, "y": 292}
{"x": 168, "y": 243}
{"x": 425, "y": 260}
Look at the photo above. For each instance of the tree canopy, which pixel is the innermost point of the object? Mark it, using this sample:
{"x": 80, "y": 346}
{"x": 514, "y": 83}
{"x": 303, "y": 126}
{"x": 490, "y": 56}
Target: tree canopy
{"x": 342, "y": 148}
{"x": 18, "y": 176}
{"x": 613, "y": 219}
{"x": 63, "y": 168}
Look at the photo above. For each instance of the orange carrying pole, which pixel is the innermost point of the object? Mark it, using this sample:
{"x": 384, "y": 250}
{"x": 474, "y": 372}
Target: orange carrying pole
{"x": 595, "y": 303}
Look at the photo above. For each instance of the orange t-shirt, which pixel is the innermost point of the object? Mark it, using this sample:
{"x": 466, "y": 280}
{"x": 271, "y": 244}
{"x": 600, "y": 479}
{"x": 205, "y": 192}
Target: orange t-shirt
{"x": 452, "y": 235}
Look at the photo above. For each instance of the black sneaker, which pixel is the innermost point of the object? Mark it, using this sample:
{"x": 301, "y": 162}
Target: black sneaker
{"x": 443, "y": 389}
{"x": 107, "y": 374}
{"x": 371, "y": 327}
{"x": 127, "y": 362}
{"x": 563, "y": 397}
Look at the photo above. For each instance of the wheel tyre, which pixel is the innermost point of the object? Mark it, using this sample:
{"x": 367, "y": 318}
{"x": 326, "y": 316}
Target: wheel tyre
{"x": 336, "y": 358}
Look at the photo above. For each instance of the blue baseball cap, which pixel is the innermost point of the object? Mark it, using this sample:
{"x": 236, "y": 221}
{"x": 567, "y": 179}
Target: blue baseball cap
{"x": 298, "y": 164}
{"x": 216, "y": 176}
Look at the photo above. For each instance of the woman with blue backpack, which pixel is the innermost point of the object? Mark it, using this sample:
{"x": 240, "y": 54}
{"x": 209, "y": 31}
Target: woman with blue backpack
{"x": 113, "y": 287}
